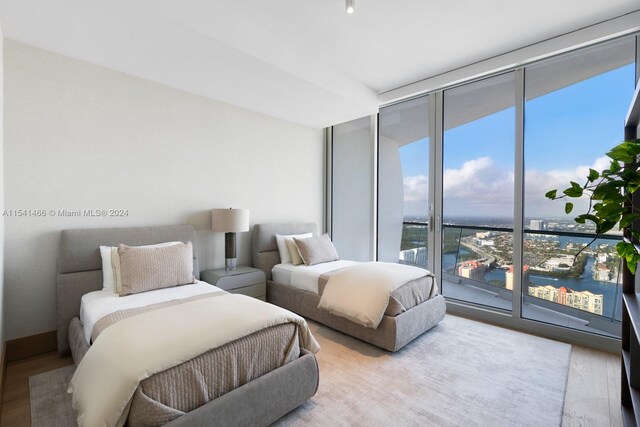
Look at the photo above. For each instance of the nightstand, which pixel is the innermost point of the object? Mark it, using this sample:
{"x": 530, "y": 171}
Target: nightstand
{"x": 244, "y": 280}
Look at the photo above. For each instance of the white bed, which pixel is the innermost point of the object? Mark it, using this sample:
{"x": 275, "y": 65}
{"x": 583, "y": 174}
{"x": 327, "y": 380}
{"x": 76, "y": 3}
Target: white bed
{"x": 97, "y": 304}
{"x": 306, "y": 277}
{"x": 255, "y": 400}
{"x": 401, "y": 322}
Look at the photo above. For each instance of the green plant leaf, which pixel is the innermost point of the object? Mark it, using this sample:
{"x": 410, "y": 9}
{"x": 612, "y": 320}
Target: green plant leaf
{"x": 609, "y": 210}
{"x": 593, "y": 175}
{"x": 607, "y": 190}
{"x": 551, "y": 194}
{"x": 625, "y": 152}
{"x": 615, "y": 167}
{"x": 627, "y": 219}
{"x": 632, "y": 261}
{"x": 605, "y": 225}
{"x": 621, "y": 248}
{"x": 580, "y": 219}
{"x": 568, "y": 208}
{"x": 573, "y": 191}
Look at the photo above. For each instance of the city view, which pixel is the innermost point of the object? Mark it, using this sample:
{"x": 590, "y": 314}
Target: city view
{"x": 481, "y": 251}
{"x": 568, "y": 131}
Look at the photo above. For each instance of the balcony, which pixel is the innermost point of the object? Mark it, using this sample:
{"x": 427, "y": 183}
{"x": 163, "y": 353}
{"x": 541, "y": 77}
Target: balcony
{"x": 582, "y": 293}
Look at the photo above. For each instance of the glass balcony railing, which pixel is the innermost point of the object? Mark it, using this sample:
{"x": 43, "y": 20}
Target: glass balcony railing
{"x": 558, "y": 288}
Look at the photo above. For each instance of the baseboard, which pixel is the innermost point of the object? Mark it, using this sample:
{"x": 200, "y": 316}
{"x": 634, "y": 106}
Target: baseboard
{"x": 30, "y": 346}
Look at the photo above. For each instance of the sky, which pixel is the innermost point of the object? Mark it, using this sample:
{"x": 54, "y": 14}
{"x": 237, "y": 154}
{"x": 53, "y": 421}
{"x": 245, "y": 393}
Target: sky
{"x": 566, "y": 132}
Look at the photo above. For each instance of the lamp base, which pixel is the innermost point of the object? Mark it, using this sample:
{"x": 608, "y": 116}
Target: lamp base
{"x": 230, "y": 251}
{"x": 230, "y": 264}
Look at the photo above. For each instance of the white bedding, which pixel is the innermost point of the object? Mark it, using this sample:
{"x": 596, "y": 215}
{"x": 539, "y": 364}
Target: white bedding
{"x": 97, "y": 304}
{"x": 140, "y": 346}
{"x": 361, "y": 292}
{"x": 305, "y": 277}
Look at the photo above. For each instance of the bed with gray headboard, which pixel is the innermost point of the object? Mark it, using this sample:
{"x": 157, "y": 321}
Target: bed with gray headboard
{"x": 258, "y": 402}
{"x": 393, "y": 332}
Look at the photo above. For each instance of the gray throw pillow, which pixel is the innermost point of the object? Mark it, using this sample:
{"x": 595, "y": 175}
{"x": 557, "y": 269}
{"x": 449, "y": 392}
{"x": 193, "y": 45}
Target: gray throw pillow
{"x": 148, "y": 268}
{"x": 316, "y": 250}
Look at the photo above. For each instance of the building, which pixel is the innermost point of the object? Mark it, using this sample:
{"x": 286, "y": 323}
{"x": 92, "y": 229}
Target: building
{"x": 509, "y": 277}
{"x": 548, "y": 292}
{"x": 602, "y": 273}
{"x": 417, "y": 256}
{"x": 536, "y": 224}
{"x": 582, "y": 300}
{"x": 560, "y": 263}
{"x": 471, "y": 270}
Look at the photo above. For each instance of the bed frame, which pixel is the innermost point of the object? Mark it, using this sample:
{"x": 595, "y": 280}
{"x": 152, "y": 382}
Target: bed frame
{"x": 392, "y": 334}
{"x": 259, "y": 402}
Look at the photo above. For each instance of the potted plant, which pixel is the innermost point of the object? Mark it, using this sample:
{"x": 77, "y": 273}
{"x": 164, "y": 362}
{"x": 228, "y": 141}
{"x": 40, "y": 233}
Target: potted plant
{"x": 610, "y": 193}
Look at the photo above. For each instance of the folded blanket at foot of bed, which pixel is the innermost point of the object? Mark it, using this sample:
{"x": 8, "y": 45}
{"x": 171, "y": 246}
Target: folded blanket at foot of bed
{"x": 361, "y": 292}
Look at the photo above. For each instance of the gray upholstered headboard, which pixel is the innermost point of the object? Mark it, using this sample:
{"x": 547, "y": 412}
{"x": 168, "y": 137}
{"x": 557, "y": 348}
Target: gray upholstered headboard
{"x": 264, "y": 249}
{"x": 80, "y": 265}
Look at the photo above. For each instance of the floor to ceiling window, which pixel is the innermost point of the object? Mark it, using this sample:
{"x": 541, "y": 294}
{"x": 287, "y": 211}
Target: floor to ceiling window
{"x": 403, "y": 182}
{"x": 352, "y": 187}
{"x": 461, "y": 178}
{"x": 477, "y": 191}
{"x": 574, "y": 108}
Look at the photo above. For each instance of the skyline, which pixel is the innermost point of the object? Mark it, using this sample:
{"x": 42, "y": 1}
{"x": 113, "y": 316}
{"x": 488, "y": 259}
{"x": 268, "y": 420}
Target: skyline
{"x": 577, "y": 124}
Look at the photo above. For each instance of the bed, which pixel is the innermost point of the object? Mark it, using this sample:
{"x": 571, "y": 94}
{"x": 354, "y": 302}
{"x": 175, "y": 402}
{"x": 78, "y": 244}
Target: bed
{"x": 397, "y": 327}
{"x": 260, "y": 401}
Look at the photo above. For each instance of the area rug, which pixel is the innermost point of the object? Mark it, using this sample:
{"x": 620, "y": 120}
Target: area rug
{"x": 50, "y": 403}
{"x": 461, "y": 373}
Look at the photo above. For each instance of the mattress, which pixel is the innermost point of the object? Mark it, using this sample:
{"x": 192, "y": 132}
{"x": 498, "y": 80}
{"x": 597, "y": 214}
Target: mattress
{"x": 305, "y": 277}
{"x": 169, "y": 394}
{"x": 98, "y": 304}
{"x": 314, "y": 278}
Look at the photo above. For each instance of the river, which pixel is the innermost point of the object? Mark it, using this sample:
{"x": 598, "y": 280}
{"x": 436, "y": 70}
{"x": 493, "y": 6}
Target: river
{"x": 608, "y": 290}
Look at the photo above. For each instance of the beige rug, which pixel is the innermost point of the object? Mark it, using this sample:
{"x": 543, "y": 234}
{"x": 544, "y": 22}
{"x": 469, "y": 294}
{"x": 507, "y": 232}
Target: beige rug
{"x": 461, "y": 373}
{"x": 50, "y": 403}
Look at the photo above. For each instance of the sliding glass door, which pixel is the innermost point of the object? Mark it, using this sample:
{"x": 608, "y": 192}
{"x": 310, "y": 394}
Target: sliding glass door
{"x": 477, "y": 192}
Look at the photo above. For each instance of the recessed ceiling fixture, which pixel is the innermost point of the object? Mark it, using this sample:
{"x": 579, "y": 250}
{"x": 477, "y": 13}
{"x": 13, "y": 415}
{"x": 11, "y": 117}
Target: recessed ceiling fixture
{"x": 351, "y": 6}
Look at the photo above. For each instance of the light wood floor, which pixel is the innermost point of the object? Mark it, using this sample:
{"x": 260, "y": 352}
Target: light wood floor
{"x": 593, "y": 389}
{"x": 15, "y": 402}
{"x": 592, "y": 399}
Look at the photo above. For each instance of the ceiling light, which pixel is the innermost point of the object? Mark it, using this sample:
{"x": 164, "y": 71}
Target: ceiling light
{"x": 351, "y": 6}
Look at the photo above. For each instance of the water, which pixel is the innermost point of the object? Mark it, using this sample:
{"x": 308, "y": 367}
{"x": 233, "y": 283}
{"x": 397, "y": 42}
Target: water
{"x": 587, "y": 283}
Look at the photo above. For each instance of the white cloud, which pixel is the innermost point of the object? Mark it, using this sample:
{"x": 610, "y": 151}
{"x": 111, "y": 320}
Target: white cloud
{"x": 479, "y": 182}
{"x": 416, "y": 188}
{"x": 481, "y": 187}
{"x": 537, "y": 183}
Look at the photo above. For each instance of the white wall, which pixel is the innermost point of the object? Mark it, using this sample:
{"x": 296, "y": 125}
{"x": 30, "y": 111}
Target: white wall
{"x": 2, "y": 310}
{"x": 79, "y": 136}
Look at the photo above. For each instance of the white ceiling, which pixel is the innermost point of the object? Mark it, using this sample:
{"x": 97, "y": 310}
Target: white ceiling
{"x": 305, "y": 61}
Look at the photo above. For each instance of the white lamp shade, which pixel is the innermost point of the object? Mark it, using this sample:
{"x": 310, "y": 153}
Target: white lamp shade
{"x": 230, "y": 220}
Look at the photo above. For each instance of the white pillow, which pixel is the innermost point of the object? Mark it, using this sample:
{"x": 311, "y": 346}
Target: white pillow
{"x": 108, "y": 279}
{"x": 296, "y": 259}
{"x": 108, "y": 283}
{"x": 285, "y": 256}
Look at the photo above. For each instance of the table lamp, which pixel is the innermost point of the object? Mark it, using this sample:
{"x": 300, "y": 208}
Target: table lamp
{"x": 230, "y": 221}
